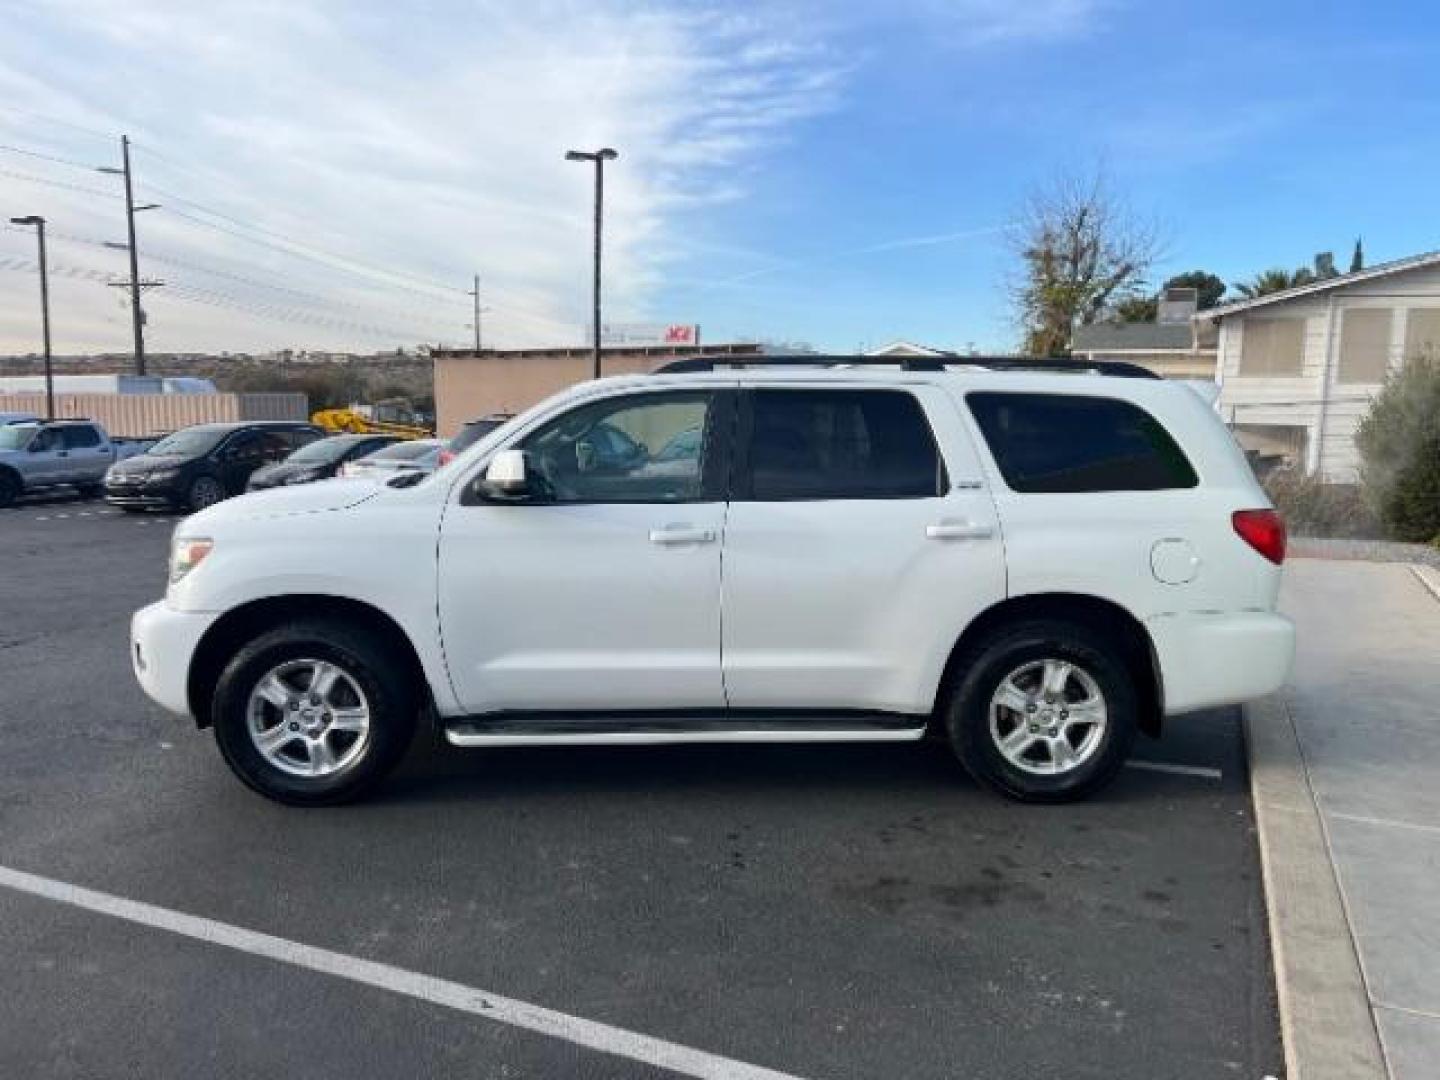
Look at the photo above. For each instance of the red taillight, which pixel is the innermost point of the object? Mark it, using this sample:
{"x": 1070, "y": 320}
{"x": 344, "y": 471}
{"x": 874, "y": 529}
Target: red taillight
{"x": 446, "y": 456}
{"x": 1263, "y": 530}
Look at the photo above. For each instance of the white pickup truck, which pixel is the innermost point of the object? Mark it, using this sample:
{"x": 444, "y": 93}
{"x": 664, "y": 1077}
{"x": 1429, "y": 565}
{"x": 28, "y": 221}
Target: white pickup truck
{"x": 1035, "y": 564}
{"x": 37, "y": 454}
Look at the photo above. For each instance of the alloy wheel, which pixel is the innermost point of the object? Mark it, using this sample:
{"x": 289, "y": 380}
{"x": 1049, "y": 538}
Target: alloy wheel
{"x": 1048, "y": 717}
{"x": 308, "y": 718}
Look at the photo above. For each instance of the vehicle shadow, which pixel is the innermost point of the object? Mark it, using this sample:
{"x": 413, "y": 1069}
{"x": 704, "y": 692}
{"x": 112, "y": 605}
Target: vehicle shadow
{"x": 60, "y": 495}
{"x": 440, "y": 774}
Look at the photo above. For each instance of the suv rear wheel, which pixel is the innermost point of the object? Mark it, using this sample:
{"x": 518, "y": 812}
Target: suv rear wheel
{"x": 1044, "y": 711}
{"x": 313, "y": 713}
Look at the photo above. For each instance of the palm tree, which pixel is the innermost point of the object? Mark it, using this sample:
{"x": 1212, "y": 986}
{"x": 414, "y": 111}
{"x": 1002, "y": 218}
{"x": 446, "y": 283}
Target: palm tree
{"x": 1274, "y": 280}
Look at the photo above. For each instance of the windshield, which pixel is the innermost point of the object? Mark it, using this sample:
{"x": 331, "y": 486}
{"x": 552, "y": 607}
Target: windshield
{"x": 405, "y": 451}
{"x": 321, "y": 452}
{"x": 16, "y": 438}
{"x": 188, "y": 442}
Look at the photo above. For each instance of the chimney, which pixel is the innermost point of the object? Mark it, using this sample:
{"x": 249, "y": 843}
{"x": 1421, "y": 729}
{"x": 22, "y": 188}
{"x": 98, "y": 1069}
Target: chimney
{"x": 1177, "y": 305}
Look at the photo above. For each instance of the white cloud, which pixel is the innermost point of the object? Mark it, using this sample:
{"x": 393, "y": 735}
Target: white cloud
{"x": 425, "y": 140}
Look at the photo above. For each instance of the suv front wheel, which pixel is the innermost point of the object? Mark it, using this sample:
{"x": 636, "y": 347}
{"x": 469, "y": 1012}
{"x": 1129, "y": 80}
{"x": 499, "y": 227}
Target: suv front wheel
{"x": 1043, "y": 712}
{"x": 314, "y": 713}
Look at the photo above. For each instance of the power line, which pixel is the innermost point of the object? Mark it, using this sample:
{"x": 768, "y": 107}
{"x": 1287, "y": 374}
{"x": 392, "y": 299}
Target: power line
{"x": 300, "y": 244}
{"x": 59, "y": 184}
{"x": 46, "y": 157}
{"x": 284, "y": 244}
{"x": 106, "y": 135}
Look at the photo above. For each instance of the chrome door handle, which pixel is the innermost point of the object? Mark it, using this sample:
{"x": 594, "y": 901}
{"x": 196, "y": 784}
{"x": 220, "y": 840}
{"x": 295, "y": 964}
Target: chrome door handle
{"x": 958, "y": 530}
{"x": 671, "y": 535}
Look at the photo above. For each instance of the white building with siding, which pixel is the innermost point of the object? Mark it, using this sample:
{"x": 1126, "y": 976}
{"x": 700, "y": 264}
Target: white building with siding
{"x": 1298, "y": 368}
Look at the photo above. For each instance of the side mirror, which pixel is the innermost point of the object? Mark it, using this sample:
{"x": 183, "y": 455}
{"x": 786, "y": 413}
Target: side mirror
{"x": 507, "y": 478}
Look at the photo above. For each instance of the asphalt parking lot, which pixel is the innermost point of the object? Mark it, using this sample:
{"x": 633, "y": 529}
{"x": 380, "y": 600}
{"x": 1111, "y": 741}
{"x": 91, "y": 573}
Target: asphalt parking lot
{"x": 821, "y": 912}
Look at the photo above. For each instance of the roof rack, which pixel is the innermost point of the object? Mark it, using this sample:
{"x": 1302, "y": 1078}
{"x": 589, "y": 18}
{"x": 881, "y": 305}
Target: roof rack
{"x": 1114, "y": 368}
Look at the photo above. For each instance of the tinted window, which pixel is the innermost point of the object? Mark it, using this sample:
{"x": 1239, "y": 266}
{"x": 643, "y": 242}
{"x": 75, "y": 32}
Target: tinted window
{"x": 278, "y": 445}
{"x": 246, "y": 446}
{"x": 842, "y": 444}
{"x": 47, "y": 441}
{"x": 1059, "y": 442}
{"x": 613, "y": 451}
{"x": 79, "y": 436}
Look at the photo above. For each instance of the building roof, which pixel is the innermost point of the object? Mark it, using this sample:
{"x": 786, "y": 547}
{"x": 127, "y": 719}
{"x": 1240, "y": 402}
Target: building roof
{"x": 1138, "y": 337}
{"x": 1379, "y": 270}
{"x": 907, "y": 348}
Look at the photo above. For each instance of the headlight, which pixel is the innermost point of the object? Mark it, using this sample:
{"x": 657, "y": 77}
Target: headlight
{"x": 186, "y": 553}
{"x": 301, "y": 478}
{"x": 160, "y": 475}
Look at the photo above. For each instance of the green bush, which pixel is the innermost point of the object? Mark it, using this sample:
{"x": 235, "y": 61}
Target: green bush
{"x": 1399, "y": 443}
{"x": 1311, "y": 507}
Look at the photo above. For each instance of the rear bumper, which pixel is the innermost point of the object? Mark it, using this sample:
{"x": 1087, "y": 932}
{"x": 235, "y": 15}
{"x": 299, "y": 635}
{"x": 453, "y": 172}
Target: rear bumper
{"x": 1221, "y": 659}
{"x": 162, "y": 644}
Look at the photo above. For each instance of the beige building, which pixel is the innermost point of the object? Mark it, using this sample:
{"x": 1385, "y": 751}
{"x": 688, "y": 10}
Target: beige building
{"x": 1173, "y": 346}
{"x": 470, "y": 384}
{"x": 1299, "y": 368}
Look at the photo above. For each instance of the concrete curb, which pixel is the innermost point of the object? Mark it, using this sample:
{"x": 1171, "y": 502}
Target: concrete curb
{"x": 1325, "y": 1017}
{"x": 1427, "y": 576}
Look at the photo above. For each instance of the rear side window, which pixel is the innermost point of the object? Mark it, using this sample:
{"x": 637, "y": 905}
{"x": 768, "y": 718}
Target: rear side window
{"x": 1065, "y": 443}
{"x": 841, "y": 444}
{"x": 79, "y": 436}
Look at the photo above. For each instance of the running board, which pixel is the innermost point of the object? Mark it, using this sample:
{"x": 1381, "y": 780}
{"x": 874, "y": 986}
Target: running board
{"x": 569, "y": 729}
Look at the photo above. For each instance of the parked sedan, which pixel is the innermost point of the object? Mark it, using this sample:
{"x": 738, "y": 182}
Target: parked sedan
{"x": 318, "y": 460}
{"x": 415, "y": 457}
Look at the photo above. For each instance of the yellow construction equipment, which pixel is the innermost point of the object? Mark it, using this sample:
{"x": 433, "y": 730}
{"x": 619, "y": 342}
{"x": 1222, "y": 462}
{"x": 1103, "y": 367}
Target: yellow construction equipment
{"x": 394, "y": 416}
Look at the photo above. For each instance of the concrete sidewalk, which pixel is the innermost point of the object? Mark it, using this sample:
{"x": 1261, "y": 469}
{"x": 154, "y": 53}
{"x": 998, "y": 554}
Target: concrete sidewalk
{"x": 1365, "y": 703}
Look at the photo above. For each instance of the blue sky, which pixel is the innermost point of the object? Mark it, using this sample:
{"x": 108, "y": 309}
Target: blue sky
{"x": 794, "y": 170}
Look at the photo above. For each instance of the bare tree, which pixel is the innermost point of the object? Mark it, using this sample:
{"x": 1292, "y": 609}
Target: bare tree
{"x": 1080, "y": 250}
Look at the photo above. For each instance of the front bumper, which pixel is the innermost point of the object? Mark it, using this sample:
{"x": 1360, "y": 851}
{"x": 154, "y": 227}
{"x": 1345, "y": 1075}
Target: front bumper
{"x": 1208, "y": 660}
{"x": 162, "y": 644}
{"x": 163, "y": 494}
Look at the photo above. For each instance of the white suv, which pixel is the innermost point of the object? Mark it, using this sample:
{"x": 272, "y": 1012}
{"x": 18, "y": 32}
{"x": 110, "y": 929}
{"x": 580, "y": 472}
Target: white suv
{"x": 1034, "y": 563}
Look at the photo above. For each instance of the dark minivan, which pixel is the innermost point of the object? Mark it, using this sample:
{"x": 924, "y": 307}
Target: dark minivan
{"x": 199, "y": 466}
{"x": 320, "y": 460}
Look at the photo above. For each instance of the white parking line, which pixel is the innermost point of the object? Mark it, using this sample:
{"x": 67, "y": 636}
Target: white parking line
{"x": 1202, "y": 771}
{"x": 452, "y": 995}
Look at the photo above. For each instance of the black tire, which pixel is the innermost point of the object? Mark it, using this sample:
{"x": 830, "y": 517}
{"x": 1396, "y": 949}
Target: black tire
{"x": 1021, "y": 648}
{"x": 87, "y": 491}
{"x": 10, "y": 487}
{"x": 204, "y": 491}
{"x": 364, "y": 657}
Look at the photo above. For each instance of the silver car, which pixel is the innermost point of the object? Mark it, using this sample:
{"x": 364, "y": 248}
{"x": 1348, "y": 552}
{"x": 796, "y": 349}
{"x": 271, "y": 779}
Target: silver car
{"x": 415, "y": 456}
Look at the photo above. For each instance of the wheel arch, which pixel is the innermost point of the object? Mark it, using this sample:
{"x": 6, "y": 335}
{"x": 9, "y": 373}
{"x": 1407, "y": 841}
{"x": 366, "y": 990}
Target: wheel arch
{"x": 242, "y": 623}
{"x": 1103, "y": 616}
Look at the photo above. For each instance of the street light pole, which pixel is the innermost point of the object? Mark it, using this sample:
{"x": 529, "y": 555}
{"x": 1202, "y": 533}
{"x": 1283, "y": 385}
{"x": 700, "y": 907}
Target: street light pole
{"x": 39, "y": 223}
{"x": 599, "y": 157}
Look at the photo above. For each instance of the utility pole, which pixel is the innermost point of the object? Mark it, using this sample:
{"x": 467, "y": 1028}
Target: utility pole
{"x": 39, "y": 223}
{"x": 599, "y": 157}
{"x": 137, "y": 315}
{"x": 475, "y": 292}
